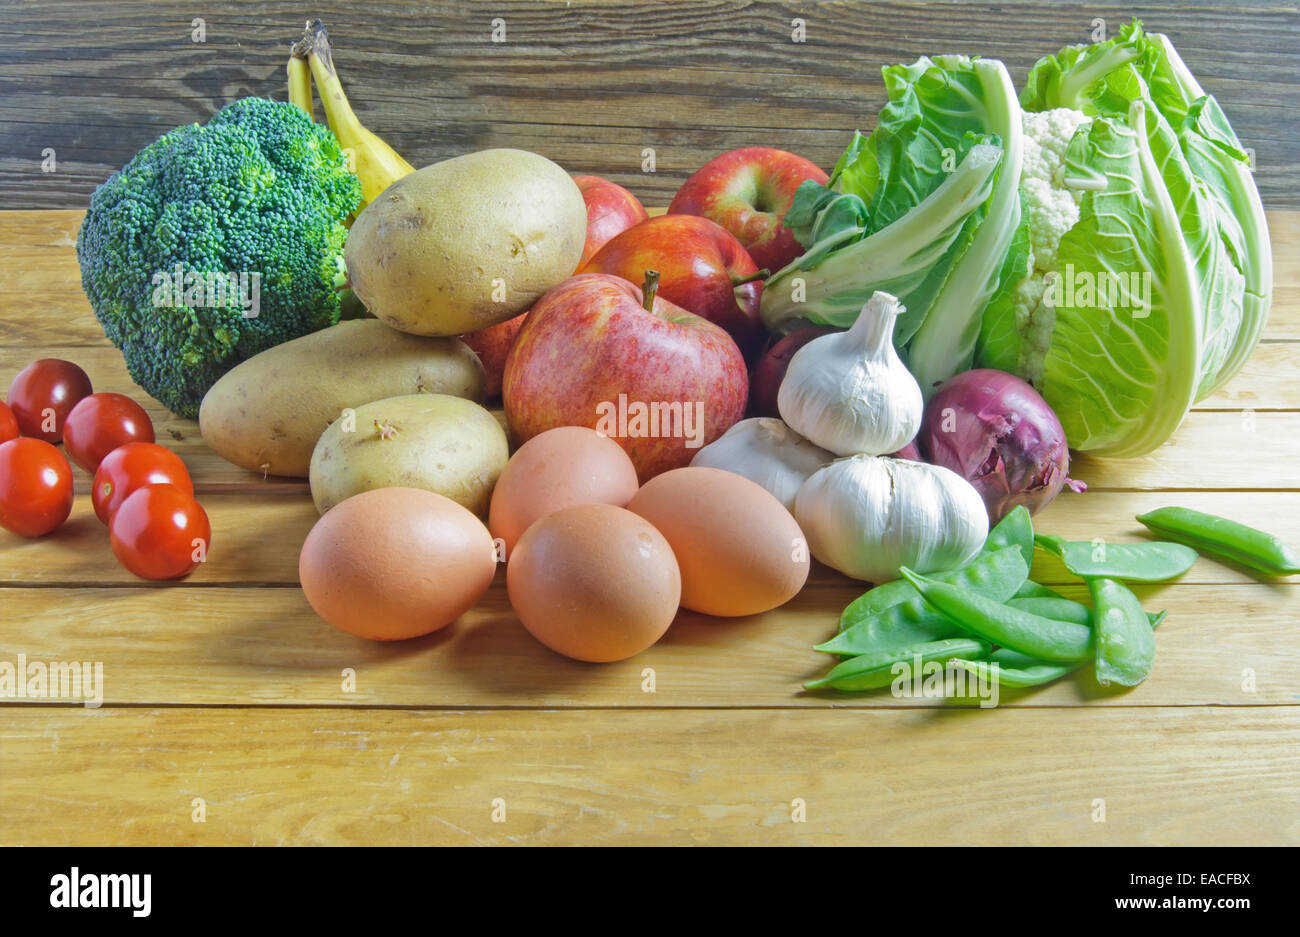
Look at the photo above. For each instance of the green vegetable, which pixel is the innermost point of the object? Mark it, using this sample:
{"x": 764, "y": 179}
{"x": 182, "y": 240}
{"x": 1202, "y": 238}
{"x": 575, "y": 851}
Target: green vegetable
{"x": 1063, "y": 609}
{"x": 1016, "y": 529}
{"x": 1020, "y": 670}
{"x": 1132, "y": 562}
{"x": 258, "y": 190}
{"x": 1125, "y": 643}
{"x": 871, "y": 671}
{"x": 1012, "y": 669}
{"x": 1046, "y": 638}
{"x": 1221, "y": 537}
{"x": 927, "y": 208}
{"x": 993, "y": 575}
{"x": 1116, "y": 257}
{"x": 1151, "y": 197}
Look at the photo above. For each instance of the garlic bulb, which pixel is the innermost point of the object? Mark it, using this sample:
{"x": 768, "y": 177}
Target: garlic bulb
{"x": 868, "y": 515}
{"x": 768, "y": 452}
{"x": 850, "y": 392}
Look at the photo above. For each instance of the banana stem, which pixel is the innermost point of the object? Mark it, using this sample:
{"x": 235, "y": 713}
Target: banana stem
{"x": 300, "y": 79}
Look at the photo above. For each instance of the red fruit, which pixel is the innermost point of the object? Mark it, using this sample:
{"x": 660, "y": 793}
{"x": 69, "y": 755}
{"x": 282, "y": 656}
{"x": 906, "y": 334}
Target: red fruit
{"x": 748, "y": 191}
{"x": 102, "y": 422}
{"x": 133, "y": 466}
{"x": 492, "y": 345}
{"x": 35, "y": 487}
{"x": 611, "y": 210}
{"x": 44, "y": 393}
{"x": 702, "y": 269}
{"x": 160, "y": 532}
{"x": 592, "y": 355}
{"x": 8, "y": 423}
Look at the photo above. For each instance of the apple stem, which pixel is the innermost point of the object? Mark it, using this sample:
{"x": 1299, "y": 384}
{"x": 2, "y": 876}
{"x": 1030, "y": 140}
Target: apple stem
{"x": 648, "y": 290}
{"x": 760, "y": 275}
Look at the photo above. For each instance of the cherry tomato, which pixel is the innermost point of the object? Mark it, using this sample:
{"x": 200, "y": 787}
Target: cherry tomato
{"x": 133, "y": 466}
{"x": 160, "y": 532}
{"x": 99, "y": 424}
{"x": 44, "y": 393}
{"x": 35, "y": 487}
{"x": 8, "y": 423}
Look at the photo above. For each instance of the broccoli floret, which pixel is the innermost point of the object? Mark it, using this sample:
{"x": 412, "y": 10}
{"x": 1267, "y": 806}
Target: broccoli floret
{"x": 258, "y": 190}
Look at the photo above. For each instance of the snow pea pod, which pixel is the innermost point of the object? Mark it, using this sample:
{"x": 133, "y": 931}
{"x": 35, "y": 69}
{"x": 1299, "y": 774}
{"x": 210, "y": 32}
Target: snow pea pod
{"x": 1017, "y": 670}
{"x": 1133, "y": 562}
{"x": 1063, "y": 609}
{"x": 1016, "y": 529}
{"x": 1032, "y": 590}
{"x": 1126, "y": 645}
{"x": 871, "y": 671}
{"x": 1221, "y": 537}
{"x": 1012, "y": 669}
{"x": 1046, "y": 638}
{"x": 995, "y": 575}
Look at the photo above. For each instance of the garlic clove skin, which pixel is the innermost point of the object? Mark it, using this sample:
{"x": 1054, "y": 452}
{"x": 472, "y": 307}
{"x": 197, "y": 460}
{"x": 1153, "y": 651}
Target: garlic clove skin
{"x": 767, "y": 452}
{"x": 849, "y": 392}
{"x": 868, "y": 515}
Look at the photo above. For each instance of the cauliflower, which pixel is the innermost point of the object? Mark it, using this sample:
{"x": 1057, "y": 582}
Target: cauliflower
{"x": 1051, "y": 210}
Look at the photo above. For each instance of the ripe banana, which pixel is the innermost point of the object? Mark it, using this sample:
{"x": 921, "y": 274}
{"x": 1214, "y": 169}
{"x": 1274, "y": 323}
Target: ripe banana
{"x": 299, "y": 79}
{"x": 376, "y": 164}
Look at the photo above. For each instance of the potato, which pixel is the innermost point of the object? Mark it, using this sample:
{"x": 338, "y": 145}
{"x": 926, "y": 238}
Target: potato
{"x": 464, "y": 244}
{"x": 267, "y": 413}
{"x": 447, "y": 445}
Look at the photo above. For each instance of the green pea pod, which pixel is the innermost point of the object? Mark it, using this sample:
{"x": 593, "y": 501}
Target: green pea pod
{"x": 1017, "y": 670}
{"x": 872, "y": 671}
{"x": 1014, "y": 530}
{"x": 1126, "y": 646}
{"x": 995, "y": 575}
{"x": 1031, "y": 673}
{"x": 1132, "y": 562}
{"x": 1061, "y": 609}
{"x": 1032, "y": 590}
{"x": 1060, "y": 641}
{"x": 1221, "y": 537}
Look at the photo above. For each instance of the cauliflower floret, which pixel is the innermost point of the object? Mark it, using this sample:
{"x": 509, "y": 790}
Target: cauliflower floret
{"x": 1051, "y": 211}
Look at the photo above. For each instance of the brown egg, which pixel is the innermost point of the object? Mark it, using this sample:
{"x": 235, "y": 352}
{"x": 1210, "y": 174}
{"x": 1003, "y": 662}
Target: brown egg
{"x": 557, "y": 469}
{"x": 395, "y": 563}
{"x": 594, "y": 582}
{"x": 739, "y": 550}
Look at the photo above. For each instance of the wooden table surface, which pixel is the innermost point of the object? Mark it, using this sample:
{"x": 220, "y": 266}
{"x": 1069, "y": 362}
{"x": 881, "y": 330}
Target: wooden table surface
{"x": 233, "y": 715}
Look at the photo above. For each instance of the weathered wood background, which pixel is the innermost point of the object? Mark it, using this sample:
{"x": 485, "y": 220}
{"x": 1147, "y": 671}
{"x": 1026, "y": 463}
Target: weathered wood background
{"x": 590, "y": 85}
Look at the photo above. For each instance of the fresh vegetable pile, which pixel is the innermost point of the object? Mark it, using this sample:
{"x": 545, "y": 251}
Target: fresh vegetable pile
{"x": 1101, "y": 237}
{"x": 981, "y": 283}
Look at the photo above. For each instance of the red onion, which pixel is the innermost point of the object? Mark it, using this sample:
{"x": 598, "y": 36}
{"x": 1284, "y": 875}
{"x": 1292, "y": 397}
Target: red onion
{"x": 910, "y": 452}
{"x": 769, "y": 370}
{"x": 997, "y": 432}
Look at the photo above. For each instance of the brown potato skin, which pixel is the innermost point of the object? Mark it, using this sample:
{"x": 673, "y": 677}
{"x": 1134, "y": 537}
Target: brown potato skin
{"x": 423, "y": 256}
{"x": 267, "y": 413}
{"x": 447, "y": 445}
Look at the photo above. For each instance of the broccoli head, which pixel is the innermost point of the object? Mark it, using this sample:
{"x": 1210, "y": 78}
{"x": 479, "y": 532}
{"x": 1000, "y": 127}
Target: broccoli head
{"x": 218, "y": 241}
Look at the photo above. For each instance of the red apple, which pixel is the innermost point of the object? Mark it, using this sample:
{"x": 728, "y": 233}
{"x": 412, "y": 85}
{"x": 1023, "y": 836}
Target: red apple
{"x": 748, "y": 191}
{"x": 701, "y": 268}
{"x": 611, "y": 209}
{"x": 492, "y": 345}
{"x": 596, "y": 351}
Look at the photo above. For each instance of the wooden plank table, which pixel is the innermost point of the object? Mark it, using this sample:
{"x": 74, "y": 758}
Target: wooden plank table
{"x": 226, "y": 698}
